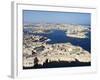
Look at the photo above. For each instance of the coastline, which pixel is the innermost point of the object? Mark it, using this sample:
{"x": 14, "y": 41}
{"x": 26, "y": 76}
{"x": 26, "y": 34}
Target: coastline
{"x": 56, "y": 52}
{"x": 77, "y": 35}
{"x": 37, "y": 51}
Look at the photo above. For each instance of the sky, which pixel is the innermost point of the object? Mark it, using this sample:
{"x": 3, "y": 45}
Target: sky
{"x": 31, "y": 16}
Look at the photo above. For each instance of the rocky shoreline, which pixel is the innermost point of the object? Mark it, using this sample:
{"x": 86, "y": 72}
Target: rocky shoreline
{"x": 37, "y": 53}
{"x": 52, "y": 52}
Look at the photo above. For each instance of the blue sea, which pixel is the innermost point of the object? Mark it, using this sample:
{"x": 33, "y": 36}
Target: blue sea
{"x": 59, "y": 36}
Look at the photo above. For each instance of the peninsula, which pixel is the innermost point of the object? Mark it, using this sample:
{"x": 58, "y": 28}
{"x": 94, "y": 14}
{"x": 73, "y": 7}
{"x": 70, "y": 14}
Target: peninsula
{"x": 37, "y": 51}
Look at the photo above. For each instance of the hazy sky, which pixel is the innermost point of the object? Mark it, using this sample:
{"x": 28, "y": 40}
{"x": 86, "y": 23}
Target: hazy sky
{"x": 31, "y": 16}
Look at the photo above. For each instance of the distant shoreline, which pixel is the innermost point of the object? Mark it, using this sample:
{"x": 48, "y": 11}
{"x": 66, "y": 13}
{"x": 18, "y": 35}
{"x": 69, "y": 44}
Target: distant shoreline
{"x": 55, "y": 24}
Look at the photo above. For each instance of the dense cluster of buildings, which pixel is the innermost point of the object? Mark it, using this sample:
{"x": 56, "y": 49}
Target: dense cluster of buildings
{"x": 35, "y": 49}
